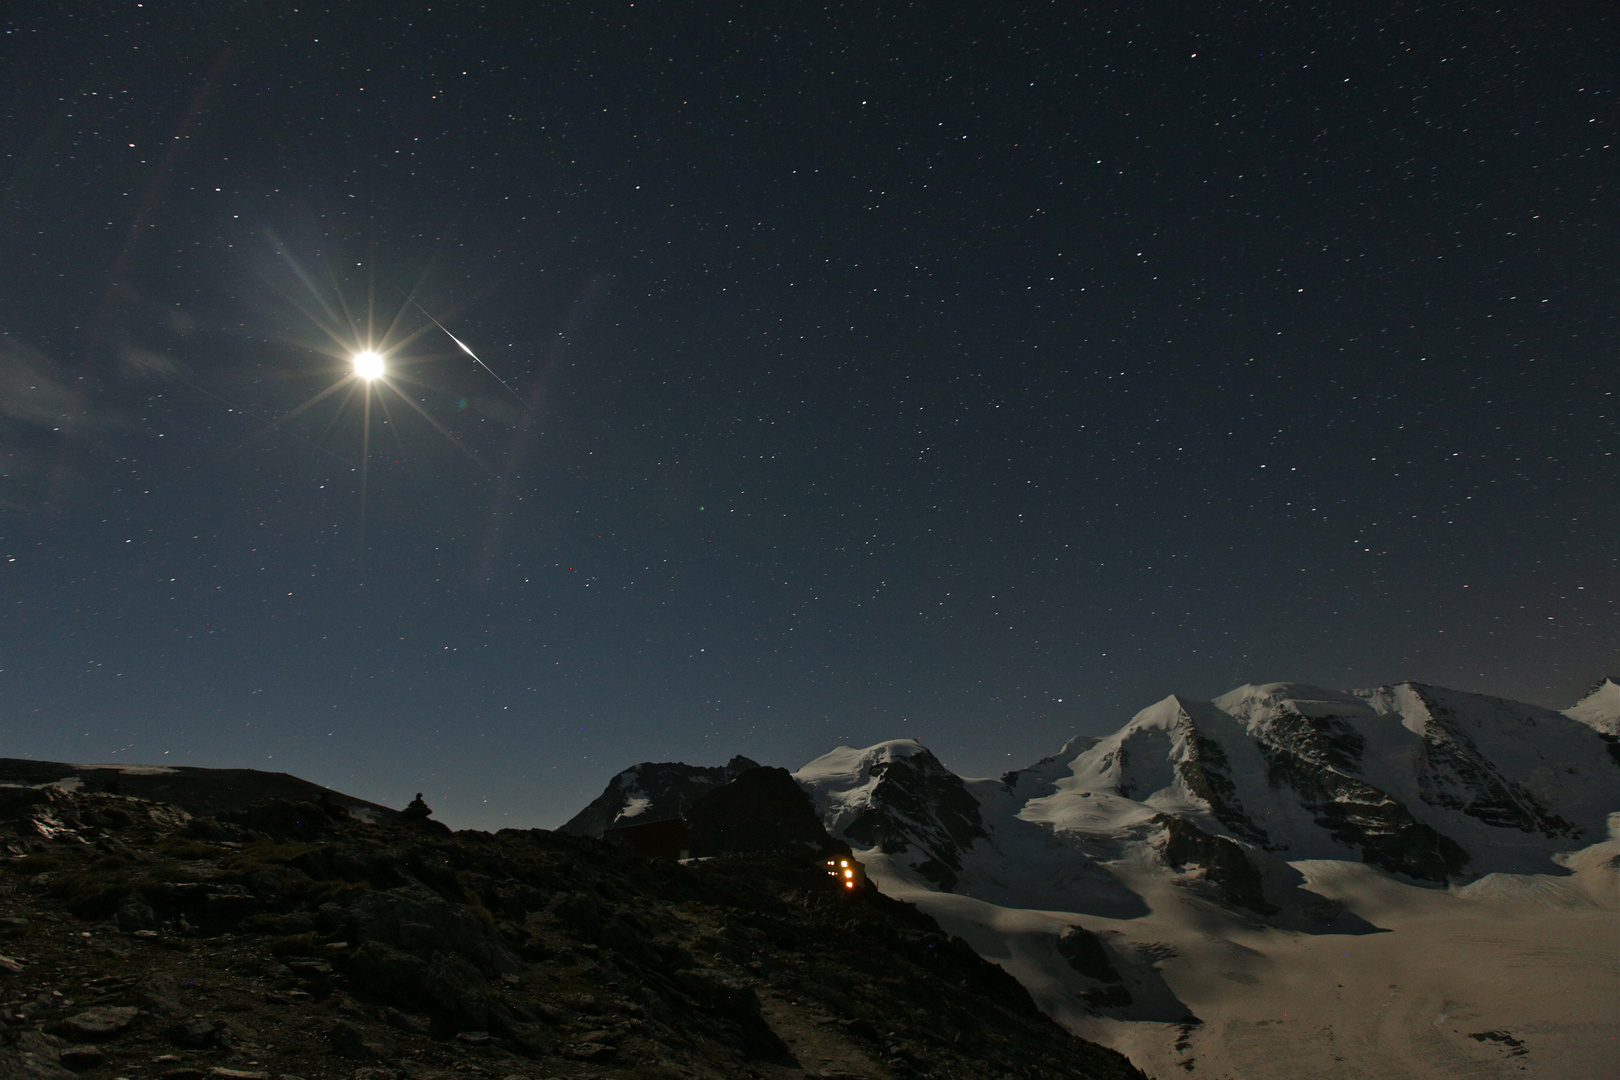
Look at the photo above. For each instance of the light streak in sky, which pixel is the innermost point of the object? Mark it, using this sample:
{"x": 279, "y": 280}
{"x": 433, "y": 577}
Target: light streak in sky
{"x": 374, "y": 364}
{"x": 463, "y": 346}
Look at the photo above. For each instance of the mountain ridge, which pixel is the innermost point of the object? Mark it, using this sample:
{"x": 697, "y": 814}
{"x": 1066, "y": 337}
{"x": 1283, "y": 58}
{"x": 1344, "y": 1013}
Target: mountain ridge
{"x": 1434, "y": 785}
{"x": 652, "y": 791}
{"x": 290, "y": 938}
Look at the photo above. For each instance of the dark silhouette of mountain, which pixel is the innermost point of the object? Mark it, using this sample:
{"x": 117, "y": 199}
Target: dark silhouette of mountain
{"x": 761, "y": 810}
{"x": 198, "y": 790}
{"x": 652, "y": 791}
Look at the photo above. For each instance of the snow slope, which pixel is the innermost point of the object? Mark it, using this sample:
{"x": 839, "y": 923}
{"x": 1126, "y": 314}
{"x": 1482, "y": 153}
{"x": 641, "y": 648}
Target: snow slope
{"x": 944, "y": 832}
{"x": 1433, "y": 784}
{"x": 1511, "y": 976}
{"x": 1286, "y": 880}
{"x": 1599, "y": 709}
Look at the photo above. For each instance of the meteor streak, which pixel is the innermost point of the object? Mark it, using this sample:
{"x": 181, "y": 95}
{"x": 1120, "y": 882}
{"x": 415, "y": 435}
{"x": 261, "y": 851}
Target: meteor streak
{"x": 462, "y": 345}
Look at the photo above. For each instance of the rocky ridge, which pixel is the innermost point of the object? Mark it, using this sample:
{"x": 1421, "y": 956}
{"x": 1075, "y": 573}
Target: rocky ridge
{"x": 897, "y": 798}
{"x": 293, "y": 940}
{"x": 652, "y": 791}
{"x": 1434, "y": 785}
{"x": 195, "y": 790}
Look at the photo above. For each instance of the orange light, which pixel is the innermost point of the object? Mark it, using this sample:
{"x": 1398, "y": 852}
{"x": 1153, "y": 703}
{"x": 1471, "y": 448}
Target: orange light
{"x": 849, "y": 884}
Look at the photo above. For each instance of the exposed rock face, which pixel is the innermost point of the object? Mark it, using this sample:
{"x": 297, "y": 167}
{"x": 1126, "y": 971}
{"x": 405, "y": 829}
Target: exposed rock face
{"x": 1460, "y": 777}
{"x": 1207, "y": 774}
{"x": 762, "y": 809}
{"x": 1498, "y": 775}
{"x": 1317, "y": 757}
{"x": 1223, "y": 861}
{"x": 652, "y": 791}
{"x": 1085, "y": 953}
{"x": 898, "y": 798}
{"x": 1432, "y": 783}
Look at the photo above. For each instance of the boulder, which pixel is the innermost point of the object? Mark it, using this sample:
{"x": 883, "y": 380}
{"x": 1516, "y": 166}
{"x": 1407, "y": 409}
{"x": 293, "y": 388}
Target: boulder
{"x": 136, "y": 914}
{"x": 459, "y": 989}
{"x": 160, "y": 995}
{"x": 404, "y": 1021}
{"x": 81, "y": 1058}
{"x": 350, "y": 1042}
{"x": 96, "y": 1025}
{"x": 446, "y": 981}
{"x": 419, "y": 921}
{"x": 198, "y": 1033}
{"x": 32, "y": 1057}
{"x": 580, "y": 914}
{"x": 388, "y": 971}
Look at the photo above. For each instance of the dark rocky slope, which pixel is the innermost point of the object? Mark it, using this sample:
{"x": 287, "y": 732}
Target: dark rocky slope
{"x": 292, "y": 940}
{"x": 653, "y": 791}
{"x": 199, "y": 791}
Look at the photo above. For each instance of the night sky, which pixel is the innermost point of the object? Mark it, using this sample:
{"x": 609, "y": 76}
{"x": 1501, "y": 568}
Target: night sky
{"x": 974, "y": 372}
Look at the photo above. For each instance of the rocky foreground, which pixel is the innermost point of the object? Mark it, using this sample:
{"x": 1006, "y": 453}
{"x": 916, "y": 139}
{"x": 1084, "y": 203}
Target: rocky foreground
{"x": 292, "y": 940}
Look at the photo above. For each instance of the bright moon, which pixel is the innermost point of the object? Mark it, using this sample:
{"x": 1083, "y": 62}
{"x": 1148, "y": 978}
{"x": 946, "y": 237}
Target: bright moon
{"x": 368, "y": 365}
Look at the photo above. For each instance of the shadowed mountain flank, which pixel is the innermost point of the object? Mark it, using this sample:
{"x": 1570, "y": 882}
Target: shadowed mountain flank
{"x": 761, "y": 810}
{"x": 652, "y": 791}
{"x": 198, "y": 790}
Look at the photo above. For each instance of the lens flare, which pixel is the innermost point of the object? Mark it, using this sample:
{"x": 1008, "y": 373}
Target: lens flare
{"x": 368, "y": 365}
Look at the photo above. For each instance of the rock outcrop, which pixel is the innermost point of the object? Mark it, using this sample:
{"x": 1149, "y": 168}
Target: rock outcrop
{"x": 896, "y": 797}
{"x": 652, "y": 791}
{"x": 761, "y": 810}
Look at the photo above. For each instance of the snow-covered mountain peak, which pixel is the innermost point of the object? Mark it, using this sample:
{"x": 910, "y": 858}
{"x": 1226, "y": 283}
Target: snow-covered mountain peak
{"x": 1259, "y": 704}
{"x": 1417, "y": 779}
{"x": 1175, "y": 756}
{"x": 1038, "y": 779}
{"x": 1139, "y": 759}
{"x": 846, "y": 763}
{"x": 1599, "y": 709}
{"x": 896, "y": 796}
{"x": 849, "y": 781}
